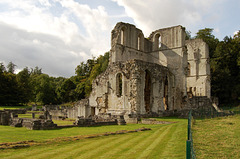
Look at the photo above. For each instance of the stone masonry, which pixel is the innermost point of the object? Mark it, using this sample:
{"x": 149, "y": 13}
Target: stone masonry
{"x": 161, "y": 74}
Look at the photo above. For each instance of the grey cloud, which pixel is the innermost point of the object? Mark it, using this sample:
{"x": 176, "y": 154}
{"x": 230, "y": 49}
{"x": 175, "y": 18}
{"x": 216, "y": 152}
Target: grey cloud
{"x": 45, "y": 51}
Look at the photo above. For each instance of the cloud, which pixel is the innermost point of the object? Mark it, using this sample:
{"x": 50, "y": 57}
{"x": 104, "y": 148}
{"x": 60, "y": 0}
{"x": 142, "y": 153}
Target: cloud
{"x": 55, "y": 35}
{"x": 36, "y": 49}
{"x": 154, "y": 14}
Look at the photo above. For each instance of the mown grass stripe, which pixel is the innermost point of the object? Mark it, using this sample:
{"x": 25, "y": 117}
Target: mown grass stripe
{"x": 104, "y": 147}
{"x": 24, "y": 152}
{"x": 162, "y": 146}
{"x": 73, "y": 153}
{"x": 145, "y": 153}
{"x": 78, "y": 147}
{"x": 115, "y": 150}
{"x": 176, "y": 144}
{"x": 135, "y": 148}
{"x": 36, "y": 150}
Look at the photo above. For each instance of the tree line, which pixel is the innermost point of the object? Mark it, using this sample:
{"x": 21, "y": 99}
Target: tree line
{"x": 33, "y": 86}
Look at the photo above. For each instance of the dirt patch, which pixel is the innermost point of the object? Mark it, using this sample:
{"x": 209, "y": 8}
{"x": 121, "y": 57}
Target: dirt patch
{"x": 24, "y": 144}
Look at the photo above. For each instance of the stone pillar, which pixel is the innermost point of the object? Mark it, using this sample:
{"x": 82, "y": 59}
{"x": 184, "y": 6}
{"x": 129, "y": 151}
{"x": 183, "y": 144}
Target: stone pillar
{"x": 34, "y": 107}
{"x": 33, "y": 115}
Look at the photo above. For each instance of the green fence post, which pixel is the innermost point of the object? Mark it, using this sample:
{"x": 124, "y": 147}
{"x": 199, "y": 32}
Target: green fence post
{"x": 188, "y": 151}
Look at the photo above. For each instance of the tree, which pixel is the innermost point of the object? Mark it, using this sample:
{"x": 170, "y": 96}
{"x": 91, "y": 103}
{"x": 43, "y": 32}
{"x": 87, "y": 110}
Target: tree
{"x": 209, "y": 38}
{"x": 36, "y": 70}
{"x": 66, "y": 91}
{"x": 89, "y": 71}
{"x": 43, "y": 89}
{"x": 9, "y": 94}
{"x": 2, "y": 68}
{"x": 226, "y": 70}
{"x": 188, "y": 35}
{"x": 25, "y": 91}
{"x": 11, "y": 67}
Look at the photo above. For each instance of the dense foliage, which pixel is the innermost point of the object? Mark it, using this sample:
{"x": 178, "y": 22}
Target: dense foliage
{"x": 31, "y": 85}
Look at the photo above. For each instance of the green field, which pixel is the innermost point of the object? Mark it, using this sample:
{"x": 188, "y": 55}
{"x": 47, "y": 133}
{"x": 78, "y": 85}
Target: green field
{"x": 163, "y": 141}
{"x": 212, "y": 138}
{"x": 217, "y": 138}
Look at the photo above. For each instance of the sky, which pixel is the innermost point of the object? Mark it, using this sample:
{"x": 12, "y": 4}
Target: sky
{"x": 57, "y": 35}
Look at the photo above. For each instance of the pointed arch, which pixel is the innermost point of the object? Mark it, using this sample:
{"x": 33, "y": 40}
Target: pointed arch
{"x": 157, "y": 41}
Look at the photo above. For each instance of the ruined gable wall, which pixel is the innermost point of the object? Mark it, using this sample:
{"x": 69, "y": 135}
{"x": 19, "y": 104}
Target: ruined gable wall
{"x": 132, "y": 100}
{"x": 198, "y": 80}
{"x": 172, "y": 54}
{"x": 104, "y": 93}
{"x": 128, "y": 43}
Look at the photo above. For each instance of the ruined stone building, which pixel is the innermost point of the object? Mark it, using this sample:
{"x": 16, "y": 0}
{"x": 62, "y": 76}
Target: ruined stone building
{"x": 150, "y": 75}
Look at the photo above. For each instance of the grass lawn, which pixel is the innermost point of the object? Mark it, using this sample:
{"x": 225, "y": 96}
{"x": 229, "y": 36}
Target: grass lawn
{"x": 235, "y": 109}
{"x": 163, "y": 141}
{"x": 64, "y": 122}
{"x": 28, "y": 115}
{"x": 14, "y": 107}
{"x": 217, "y": 138}
{"x": 19, "y": 107}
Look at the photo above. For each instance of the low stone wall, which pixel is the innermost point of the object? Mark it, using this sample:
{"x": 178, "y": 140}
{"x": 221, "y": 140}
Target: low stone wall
{"x": 200, "y": 102}
{"x": 33, "y": 124}
{"x": 72, "y": 112}
{"x": 101, "y": 119}
{"x": 5, "y": 118}
{"x": 153, "y": 121}
{"x": 16, "y": 111}
{"x": 91, "y": 122}
{"x": 58, "y": 114}
{"x": 68, "y": 112}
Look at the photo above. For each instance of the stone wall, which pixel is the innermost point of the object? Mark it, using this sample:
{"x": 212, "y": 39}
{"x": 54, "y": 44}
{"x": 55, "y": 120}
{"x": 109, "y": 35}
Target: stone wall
{"x": 7, "y": 114}
{"x": 33, "y": 124}
{"x": 198, "y": 77}
{"x": 81, "y": 108}
{"x": 100, "y": 120}
{"x": 149, "y": 76}
{"x": 105, "y": 98}
{"x": 5, "y": 118}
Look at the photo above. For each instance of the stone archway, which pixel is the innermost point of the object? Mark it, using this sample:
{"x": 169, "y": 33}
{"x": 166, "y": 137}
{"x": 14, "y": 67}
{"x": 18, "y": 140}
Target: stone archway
{"x": 147, "y": 91}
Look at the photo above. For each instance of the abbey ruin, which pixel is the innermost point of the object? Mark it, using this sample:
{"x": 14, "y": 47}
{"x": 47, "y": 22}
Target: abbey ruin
{"x": 162, "y": 75}
{"x": 163, "y": 72}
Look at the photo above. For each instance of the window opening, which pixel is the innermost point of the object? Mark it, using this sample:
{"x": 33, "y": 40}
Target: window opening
{"x": 188, "y": 69}
{"x": 139, "y": 43}
{"x": 119, "y": 85}
{"x": 157, "y": 41}
{"x": 165, "y": 95}
{"x": 122, "y": 36}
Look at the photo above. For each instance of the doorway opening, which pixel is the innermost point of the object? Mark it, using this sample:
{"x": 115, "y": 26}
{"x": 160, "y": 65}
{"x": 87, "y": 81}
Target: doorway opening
{"x": 147, "y": 91}
{"x": 92, "y": 111}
